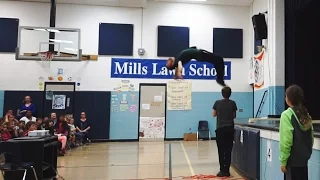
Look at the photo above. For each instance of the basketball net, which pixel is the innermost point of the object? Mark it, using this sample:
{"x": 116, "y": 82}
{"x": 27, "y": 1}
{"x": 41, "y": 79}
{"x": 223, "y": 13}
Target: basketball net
{"x": 46, "y": 58}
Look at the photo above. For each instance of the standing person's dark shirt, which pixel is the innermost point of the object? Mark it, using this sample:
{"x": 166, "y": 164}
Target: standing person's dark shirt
{"x": 225, "y": 109}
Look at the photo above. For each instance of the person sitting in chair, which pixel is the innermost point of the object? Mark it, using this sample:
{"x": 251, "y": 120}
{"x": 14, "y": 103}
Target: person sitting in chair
{"x": 83, "y": 127}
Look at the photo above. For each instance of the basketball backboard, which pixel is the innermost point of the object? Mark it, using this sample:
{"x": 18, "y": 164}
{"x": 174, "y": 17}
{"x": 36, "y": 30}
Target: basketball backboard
{"x": 64, "y": 42}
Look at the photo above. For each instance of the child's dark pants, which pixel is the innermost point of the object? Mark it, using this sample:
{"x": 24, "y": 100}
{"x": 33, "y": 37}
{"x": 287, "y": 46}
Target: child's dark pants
{"x": 224, "y": 138}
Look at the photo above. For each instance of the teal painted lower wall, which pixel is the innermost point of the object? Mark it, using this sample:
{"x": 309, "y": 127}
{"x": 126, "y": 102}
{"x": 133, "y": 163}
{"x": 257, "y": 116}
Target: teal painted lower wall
{"x": 274, "y": 102}
{"x": 124, "y": 124}
{"x": 258, "y": 95}
{"x": 271, "y": 170}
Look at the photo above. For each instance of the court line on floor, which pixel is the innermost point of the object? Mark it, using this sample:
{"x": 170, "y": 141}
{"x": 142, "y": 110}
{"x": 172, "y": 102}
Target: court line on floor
{"x": 112, "y": 165}
{"x": 188, "y": 160}
{"x": 170, "y": 164}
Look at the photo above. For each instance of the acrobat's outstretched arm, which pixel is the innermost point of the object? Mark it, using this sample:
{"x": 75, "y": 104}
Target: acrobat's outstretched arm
{"x": 178, "y": 73}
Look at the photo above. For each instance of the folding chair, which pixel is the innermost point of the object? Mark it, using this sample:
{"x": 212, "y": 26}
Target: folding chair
{"x": 203, "y": 131}
{"x": 9, "y": 167}
{"x": 13, "y": 167}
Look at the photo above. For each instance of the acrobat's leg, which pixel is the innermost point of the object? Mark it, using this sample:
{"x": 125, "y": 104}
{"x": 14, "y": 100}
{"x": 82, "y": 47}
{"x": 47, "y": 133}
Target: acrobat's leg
{"x": 218, "y": 63}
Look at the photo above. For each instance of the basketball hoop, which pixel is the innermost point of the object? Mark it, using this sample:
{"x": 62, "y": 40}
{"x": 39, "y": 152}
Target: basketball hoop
{"x": 46, "y": 58}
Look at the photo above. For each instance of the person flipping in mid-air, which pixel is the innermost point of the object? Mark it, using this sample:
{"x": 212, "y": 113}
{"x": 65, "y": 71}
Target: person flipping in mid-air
{"x": 200, "y": 55}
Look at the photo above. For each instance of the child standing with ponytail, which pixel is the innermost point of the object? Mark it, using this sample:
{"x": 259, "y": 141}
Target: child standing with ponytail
{"x": 296, "y": 136}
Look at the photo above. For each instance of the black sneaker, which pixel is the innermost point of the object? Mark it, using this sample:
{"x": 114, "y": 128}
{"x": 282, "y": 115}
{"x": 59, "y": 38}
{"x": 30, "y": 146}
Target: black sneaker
{"x": 223, "y": 174}
{"x": 221, "y": 82}
{"x": 227, "y": 174}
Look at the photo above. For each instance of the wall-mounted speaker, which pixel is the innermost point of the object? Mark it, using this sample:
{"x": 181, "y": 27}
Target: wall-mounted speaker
{"x": 260, "y": 26}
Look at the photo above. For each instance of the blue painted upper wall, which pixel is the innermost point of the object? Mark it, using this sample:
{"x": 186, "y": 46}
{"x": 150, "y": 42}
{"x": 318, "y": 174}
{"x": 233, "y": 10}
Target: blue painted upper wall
{"x": 124, "y": 123}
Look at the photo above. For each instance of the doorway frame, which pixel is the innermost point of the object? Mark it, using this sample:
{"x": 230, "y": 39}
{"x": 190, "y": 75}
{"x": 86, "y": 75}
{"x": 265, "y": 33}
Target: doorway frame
{"x": 58, "y": 83}
{"x": 165, "y": 107}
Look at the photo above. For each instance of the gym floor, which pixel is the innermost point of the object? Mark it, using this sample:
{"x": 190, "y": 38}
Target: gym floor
{"x": 141, "y": 160}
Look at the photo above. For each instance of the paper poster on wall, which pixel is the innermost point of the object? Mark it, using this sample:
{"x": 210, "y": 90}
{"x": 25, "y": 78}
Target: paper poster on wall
{"x": 113, "y": 98}
{"x": 41, "y": 88}
{"x": 145, "y": 106}
{"x": 49, "y": 95}
{"x": 59, "y": 102}
{"x": 124, "y": 107}
{"x": 156, "y": 104}
{"x": 133, "y": 97}
{"x": 68, "y": 102}
{"x": 151, "y": 127}
{"x": 133, "y": 108}
{"x": 124, "y": 99}
{"x": 157, "y": 98}
{"x": 60, "y": 72}
{"x": 41, "y": 83}
{"x": 179, "y": 95}
{"x": 115, "y": 108}
{"x": 251, "y": 71}
{"x": 124, "y": 85}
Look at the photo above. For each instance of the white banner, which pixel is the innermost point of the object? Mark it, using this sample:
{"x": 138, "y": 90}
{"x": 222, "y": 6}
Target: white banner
{"x": 259, "y": 70}
{"x": 179, "y": 95}
{"x": 251, "y": 71}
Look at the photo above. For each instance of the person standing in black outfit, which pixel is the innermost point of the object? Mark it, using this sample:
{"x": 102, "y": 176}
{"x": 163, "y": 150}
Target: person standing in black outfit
{"x": 199, "y": 55}
{"x": 225, "y": 111}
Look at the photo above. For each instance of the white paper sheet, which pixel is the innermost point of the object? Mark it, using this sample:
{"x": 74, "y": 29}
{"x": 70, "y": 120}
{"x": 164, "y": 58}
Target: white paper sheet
{"x": 157, "y": 98}
{"x": 146, "y": 106}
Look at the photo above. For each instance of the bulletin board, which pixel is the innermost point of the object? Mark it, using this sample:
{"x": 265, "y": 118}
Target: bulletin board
{"x": 124, "y": 99}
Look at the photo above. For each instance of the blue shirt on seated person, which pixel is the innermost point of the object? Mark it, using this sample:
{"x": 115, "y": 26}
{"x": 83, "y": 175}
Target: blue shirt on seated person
{"x": 27, "y": 106}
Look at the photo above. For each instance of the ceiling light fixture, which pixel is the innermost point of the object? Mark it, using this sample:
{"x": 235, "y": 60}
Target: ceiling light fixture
{"x": 198, "y": 0}
{"x": 61, "y": 41}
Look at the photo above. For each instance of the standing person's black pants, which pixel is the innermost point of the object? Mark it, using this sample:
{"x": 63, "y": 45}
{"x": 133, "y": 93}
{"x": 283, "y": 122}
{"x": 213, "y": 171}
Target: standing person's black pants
{"x": 296, "y": 173}
{"x": 217, "y": 61}
{"x": 225, "y": 137}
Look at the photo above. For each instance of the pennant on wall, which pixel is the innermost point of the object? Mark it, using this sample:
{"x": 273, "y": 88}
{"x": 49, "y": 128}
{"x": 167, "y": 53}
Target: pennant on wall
{"x": 259, "y": 70}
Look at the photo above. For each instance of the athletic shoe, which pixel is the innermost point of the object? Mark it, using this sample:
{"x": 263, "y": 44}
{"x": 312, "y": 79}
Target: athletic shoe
{"x": 221, "y": 82}
{"x": 223, "y": 174}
